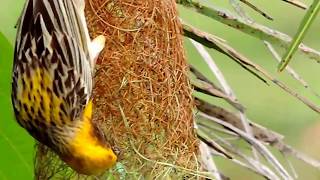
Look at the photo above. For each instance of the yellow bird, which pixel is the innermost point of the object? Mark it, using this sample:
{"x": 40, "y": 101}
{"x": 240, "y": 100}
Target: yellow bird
{"x": 52, "y": 83}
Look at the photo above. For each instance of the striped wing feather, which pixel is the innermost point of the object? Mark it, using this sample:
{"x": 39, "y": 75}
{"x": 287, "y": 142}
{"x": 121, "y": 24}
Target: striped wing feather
{"x": 52, "y": 73}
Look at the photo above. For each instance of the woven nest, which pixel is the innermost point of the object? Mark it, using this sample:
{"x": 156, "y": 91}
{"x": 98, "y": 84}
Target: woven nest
{"x": 142, "y": 97}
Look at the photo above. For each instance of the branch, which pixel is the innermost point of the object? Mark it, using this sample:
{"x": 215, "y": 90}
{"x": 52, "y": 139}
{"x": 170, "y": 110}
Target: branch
{"x": 259, "y": 132}
{"x": 253, "y": 29}
{"x": 212, "y": 42}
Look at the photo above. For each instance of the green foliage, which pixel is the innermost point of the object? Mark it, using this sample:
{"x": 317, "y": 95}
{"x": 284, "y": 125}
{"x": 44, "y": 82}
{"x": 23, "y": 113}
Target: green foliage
{"x": 16, "y": 146}
{"x": 267, "y": 105}
{"x": 9, "y": 13}
{"x": 304, "y": 26}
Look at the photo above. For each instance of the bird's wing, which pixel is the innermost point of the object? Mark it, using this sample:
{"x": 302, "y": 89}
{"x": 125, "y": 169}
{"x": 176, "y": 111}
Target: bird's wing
{"x": 52, "y": 73}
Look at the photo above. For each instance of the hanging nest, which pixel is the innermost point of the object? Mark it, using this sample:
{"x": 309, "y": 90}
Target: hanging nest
{"x": 143, "y": 71}
{"x": 142, "y": 96}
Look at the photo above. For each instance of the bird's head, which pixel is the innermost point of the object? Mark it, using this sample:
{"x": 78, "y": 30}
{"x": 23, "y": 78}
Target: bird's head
{"x": 88, "y": 154}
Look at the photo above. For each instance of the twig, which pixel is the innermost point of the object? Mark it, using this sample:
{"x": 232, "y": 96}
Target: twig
{"x": 210, "y": 89}
{"x": 290, "y": 70}
{"x": 259, "y": 132}
{"x": 288, "y": 150}
{"x": 253, "y": 29}
{"x": 259, "y": 146}
{"x": 208, "y": 161}
{"x": 211, "y": 42}
{"x": 296, "y": 3}
{"x": 225, "y": 86}
{"x": 256, "y": 9}
{"x": 253, "y": 165}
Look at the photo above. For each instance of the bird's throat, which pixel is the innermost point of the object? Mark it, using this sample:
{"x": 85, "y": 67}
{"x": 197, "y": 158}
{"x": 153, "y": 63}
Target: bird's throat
{"x": 87, "y": 154}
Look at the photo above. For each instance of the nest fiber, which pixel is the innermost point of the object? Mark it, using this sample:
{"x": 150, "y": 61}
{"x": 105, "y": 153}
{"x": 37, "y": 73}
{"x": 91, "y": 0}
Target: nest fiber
{"x": 142, "y": 97}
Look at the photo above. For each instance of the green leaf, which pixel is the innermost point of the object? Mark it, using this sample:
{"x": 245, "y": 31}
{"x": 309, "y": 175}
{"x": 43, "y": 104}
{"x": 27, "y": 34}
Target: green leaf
{"x": 9, "y": 14}
{"x": 16, "y": 146}
{"x": 253, "y": 29}
{"x": 304, "y": 26}
{"x": 216, "y": 43}
{"x": 296, "y": 3}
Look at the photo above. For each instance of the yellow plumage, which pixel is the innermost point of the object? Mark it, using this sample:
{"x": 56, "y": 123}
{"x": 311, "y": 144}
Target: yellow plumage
{"x": 52, "y": 83}
{"x": 89, "y": 156}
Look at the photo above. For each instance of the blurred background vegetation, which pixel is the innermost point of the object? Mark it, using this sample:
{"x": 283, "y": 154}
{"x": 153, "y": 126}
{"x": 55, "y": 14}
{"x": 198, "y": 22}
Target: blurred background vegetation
{"x": 267, "y": 105}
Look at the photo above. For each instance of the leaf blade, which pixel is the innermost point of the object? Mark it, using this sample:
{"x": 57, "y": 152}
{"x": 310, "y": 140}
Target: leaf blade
{"x": 303, "y": 28}
{"x": 14, "y": 141}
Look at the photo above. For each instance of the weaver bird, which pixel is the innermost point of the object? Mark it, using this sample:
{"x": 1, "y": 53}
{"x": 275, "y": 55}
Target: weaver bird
{"x": 52, "y": 83}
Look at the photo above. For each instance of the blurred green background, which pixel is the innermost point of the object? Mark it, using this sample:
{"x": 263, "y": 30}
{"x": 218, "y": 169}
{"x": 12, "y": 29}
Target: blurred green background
{"x": 267, "y": 105}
